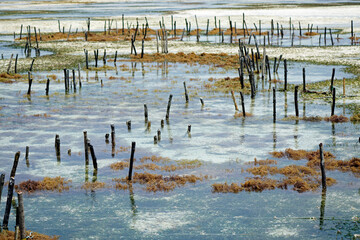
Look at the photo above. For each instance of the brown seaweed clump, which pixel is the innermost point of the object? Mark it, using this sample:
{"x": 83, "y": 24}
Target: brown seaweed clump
{"x": 262, "y": 162}
{"x": 10, "y": 78}
{"x": 158, "y": 182}
{"x": 336, "y": 119}
{"x": 255, "y": 184}
{"x": 355, "y": 118}
{"x": 58, "y": 184}
{"x": 219, "y": 60}
{"x": 93, "y": 185}
{"x": 301, "y": 154}
{"x": 10, "y": 235}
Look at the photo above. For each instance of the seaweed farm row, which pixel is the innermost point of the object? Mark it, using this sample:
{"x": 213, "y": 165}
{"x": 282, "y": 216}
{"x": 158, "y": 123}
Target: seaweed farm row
{"x": 202, "y": 166}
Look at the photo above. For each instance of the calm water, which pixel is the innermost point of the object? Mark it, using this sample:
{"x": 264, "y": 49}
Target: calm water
{"x": 217, "y": 138}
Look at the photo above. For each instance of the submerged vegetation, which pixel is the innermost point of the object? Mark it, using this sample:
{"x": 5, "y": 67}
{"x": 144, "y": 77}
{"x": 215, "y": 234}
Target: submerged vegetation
{"x": 57, "y": 184}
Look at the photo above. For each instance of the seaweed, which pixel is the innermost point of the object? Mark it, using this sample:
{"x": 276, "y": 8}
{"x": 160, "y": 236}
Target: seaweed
{"x": 58, "y": 184}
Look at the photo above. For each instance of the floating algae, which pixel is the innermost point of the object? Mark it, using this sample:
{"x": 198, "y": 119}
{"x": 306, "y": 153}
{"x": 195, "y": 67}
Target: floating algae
{"x": 57, "y": 184}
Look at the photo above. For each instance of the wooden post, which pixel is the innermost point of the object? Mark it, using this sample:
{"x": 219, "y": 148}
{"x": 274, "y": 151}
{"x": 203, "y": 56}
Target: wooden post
{"x": 27, "y": 153}
{"x": 285, "y": 74}
{"x": 145, "y": 112}
{"x": 112, "y": 126}
{"x": 296, "y": 101}
{"x": 252, "y": 84}
{"x": 86, "y": 148}
{"x": 32, "y": 64}
{"x": 2, "y": 181}
{"x": 15, "y": 164}
{"x": 8, "y": 69}
{"x": 189, "y": 129}
{"x": 234, "y": 100}
{"x": 202, "y": 102}
{"x": 8, "y": 203}
{"x": 352, "y": 29}
{"x": 21, "y": 216}
{"x": 162, "y": 123}
{"x": 74, "y": 81}
{"x": 87, "y": 58}
{"x": 30, "y": 82}
{"x": 92, "y": 152}
{"x": 304, "y": 84}
{"x": 274, "y": 104}
{"x": 131, "y": 160}
{"x": 168, "y": 107}
{"x": 333, "y": 101}
{"x": 57, "y": 146}
{"x": 322, "y": 167}
{"x": 16, "y": 60}
{"x": 332, "y": 79}
{"x": 128, "y": 124}
{"x": 242, "y": 104}
{"x": 158, "y": 134}
{"x": 47, "y": 87}
{"x": 186, "y": 93}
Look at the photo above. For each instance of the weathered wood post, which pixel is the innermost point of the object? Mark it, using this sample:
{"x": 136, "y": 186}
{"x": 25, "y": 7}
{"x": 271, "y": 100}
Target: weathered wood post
{"x": 21, "y": 216}
{"x": 146, "y": 113}
{"x": 332, "y": 79}
{"x": 57, "y": 146}
{"x": 2, "y": 181}
{"x": 27, "y": 156}
{"x": 296, "y": 101}
{"x": 285, "y": 74}
{"x": 128, "y": 124}
{"x": 333, "y": 101}
{"x": 234, "y": 100}
{"x": 274, "y": 104}
{"x": 47, "y": 87}
{"x": 86, "y": 148}
{"x": 242, "y": 104}
{"x": 186, "y": 93}
{"x": 304, "y": 83}
{"x": 168, "y": 107}
{"x": 16, "y": 60}
{"x": 8, "y": 203}
{"x": 15, "y": 164}
{"x": 30, "y": 82}
{"x": 93, "y": 156}
{"x": 112, "y": 126}
{"x": 322, "y": 167}
{"x": 131, "y": 160}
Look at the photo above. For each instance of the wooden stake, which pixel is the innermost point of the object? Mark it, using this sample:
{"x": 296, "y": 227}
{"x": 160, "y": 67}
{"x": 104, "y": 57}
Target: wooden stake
{"x": 93, "y": 156}
{"x": 158, "y": 134}
{"x": 16, "y": 60}
{"x": 15, "y": 164}
{"x": 274, "y": 104}
{"x": 21, "y": 215}
{"x": 189, "y": 129}
{"x": 112, "y": 126}
{"x": 47, "y": 87}
{"x": 168, "y": 107}
{"x": 2, "y": 181}
{"x": 296, "y": 101}
{"x": 8, "y": 203}
{"x": 8, "y": 69}
{"x": 304, "y": 84}
{"x": 242, "y": 104}
{"x": 30, "y": 82}
{"x": 57, "y": 146}
{"x": 234, "y": 100}
{"x": 322, "y": 168}
{"x": 131, "y": 160}
{"x": 285, "y": 74}
{"x": 146, "y": 112}
{"x": 128, "y": 124}
{"x": 86, "y": 148}
{"x": 202, "y": 102}
{"x": 333, "y": 101}
{"x": 186, "y": 93}
{"x": 27, "y": 153}
{"x": 332, "y": 79}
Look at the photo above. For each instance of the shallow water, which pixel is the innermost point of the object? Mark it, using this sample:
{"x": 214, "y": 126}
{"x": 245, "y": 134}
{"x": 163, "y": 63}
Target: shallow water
{"x": 223, "y": 142}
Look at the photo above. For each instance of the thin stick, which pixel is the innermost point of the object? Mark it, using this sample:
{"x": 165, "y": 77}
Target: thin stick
{"x": 93, "y": 156}
{"x": 168, "y": 107}
{"x": 2, "y": 181}
{"x": 8, "y": 203}
{"x": 131, "y": 160}
{"x": 15, "y": 164}
{"x": 86, "y": 148}
{"x": 145, "y": 112}
{"x": 186, "y": 93}
{"x": 234, "y": 100}
{"x": 296, "y": 101}
{"x": 274, "y": 104}
{"x": 242, "y": 104}
{"x": 333, "y": 101}
{"x": 322, "y": 168}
